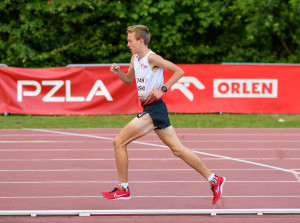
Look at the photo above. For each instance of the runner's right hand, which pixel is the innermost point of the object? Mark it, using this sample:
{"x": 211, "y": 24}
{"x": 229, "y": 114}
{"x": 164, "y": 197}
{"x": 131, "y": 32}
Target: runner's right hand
{"x": 115, "y": 68}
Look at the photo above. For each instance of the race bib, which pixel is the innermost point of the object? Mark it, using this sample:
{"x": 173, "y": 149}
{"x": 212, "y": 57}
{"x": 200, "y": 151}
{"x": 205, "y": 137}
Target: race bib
{"x": 141, "y": 88}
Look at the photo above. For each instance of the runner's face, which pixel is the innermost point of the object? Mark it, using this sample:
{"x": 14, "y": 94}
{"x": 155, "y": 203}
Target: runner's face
{"x": 133, "y": 44}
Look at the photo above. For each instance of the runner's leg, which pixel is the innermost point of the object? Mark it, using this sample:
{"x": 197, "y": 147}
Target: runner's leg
{"x": 170, "y": 138}
{"x": 136, "y": 128}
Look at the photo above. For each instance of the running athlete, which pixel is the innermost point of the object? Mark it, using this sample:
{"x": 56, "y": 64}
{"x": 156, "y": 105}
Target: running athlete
{"x": 146, "y": 68}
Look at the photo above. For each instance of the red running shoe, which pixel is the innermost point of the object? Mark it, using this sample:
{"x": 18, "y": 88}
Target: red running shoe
{"x": 117, "y": 193}
{"x": 217, "y": 188}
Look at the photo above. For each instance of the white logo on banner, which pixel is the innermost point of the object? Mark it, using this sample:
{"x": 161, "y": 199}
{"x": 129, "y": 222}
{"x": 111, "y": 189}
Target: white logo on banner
{"x": 184, "y": 83}
{"x": 98, "y": 89}
{"x": 245, "y": 88}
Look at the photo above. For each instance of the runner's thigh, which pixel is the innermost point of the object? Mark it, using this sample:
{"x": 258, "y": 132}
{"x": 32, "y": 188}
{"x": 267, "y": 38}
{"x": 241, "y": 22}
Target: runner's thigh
{"x": 136, "y": 128}
{"x": 169, "y": 137}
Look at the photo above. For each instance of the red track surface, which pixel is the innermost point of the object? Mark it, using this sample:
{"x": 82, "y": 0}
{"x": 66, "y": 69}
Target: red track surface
{"x": 66, "y": 169}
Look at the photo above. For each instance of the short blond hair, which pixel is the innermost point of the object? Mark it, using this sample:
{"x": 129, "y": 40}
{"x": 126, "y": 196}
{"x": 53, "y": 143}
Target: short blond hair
{"x": 140, "y": 31}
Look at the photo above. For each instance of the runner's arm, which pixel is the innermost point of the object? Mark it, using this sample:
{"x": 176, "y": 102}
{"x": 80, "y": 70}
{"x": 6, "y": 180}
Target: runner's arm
{"x": 157, "y": 61}
{"x": 128, "y": 77}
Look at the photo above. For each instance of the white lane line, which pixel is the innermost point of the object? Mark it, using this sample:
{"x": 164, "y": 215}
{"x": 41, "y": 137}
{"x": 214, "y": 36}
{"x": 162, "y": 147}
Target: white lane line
{"x": 120, "y": 212}
{"x": 249, "y": 162}
{"x": 27, "y": 135}
{"x": 251, "y": 149}
{"x": 236, "y": 196}
{"x": 138, "y": 182}
{"x": 130, "y": 170}
{"x": 86, "y": 159}
{"x": 70, "y": 133}
{"x": 217, "y": 157}
{"x": 42, "y": 141}
{"x": 163, "y": 146}
{"x": 162, "y": 196}
{"x": 149, "y": 149}
{"x": 179, "y": 134}
{"x": 296, "y": 176}
{"x": 234, "y": 141}
{"x": 158, "y": 141}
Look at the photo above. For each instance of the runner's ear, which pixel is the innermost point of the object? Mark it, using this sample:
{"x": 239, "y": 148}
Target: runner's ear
{"x": 141, "y": 40}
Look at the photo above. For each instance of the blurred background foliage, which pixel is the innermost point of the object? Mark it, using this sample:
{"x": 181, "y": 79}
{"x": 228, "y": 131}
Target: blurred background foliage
{"x": 50, "y": 33}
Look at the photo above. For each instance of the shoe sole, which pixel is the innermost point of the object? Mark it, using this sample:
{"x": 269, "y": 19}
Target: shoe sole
{"x": 120, "y": 198}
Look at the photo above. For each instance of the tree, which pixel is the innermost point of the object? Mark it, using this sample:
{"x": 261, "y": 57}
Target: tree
{"x": 51, "y": 33}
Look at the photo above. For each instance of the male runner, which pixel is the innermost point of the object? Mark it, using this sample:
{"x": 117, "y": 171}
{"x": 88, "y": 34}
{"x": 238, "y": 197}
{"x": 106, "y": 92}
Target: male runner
{"x": 146, "y": 68}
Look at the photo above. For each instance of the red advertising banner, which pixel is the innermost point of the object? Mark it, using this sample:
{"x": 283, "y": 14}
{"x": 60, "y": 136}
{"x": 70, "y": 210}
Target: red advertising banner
{"x": 236, "y": 89}
{"x": 65, "y": 91}
{"x": 204, "y": 89}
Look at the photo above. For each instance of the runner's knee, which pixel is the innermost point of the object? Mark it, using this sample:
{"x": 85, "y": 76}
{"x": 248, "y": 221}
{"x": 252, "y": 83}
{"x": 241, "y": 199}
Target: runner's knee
{"x": 118, "y": 143}
{"x": 178, "y": 151}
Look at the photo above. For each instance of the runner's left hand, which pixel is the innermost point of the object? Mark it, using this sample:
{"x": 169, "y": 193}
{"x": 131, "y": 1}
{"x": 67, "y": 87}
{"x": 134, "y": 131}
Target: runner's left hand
{"x": 155, "y": 94}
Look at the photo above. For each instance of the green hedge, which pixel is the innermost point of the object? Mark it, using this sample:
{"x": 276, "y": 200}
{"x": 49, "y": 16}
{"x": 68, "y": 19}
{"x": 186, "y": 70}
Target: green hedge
{"x": 47, "y": 33}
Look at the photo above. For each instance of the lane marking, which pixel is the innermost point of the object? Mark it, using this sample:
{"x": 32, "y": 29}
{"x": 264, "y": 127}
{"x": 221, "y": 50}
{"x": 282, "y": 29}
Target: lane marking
{"x": 212, "y": 212}
{"x": 156, "y": 141}
{"x": 183, "y": 196}
{"x": 236, "y": 196}
{"x": 28, "y": 135}
{"x": 217, "y": 157}
{"x": 130, "y": 170}
{"x": 137, "y": 182}
{"x": 122, "y": 212}
{"x": 149, "y": 149}
{"x": 88, "y": 159}
{"x": 179, "y": 134}
{"x": 69, "y": 133}
{"x": 163, "y": 146}
{"x": 238, "y": 141}
{"x": 296, "y": 176}
{"x": 42, "y": 141}
{"x": 249, "y": 162}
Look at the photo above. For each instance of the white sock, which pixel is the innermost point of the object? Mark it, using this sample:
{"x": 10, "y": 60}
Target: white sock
{"x": 211, "y": 177}
{"x": 124, "y": 185}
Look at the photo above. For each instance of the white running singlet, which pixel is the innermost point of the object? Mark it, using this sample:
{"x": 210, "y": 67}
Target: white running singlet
{"x": 145, "y": 78}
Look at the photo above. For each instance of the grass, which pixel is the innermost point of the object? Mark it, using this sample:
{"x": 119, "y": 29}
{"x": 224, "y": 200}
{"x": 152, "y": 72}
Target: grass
{"x": 177, "y": 120}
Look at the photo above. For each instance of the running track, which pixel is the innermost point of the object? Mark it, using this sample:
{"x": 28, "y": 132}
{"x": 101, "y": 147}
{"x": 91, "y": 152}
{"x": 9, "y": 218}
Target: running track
{"x": 66, "y": 169}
